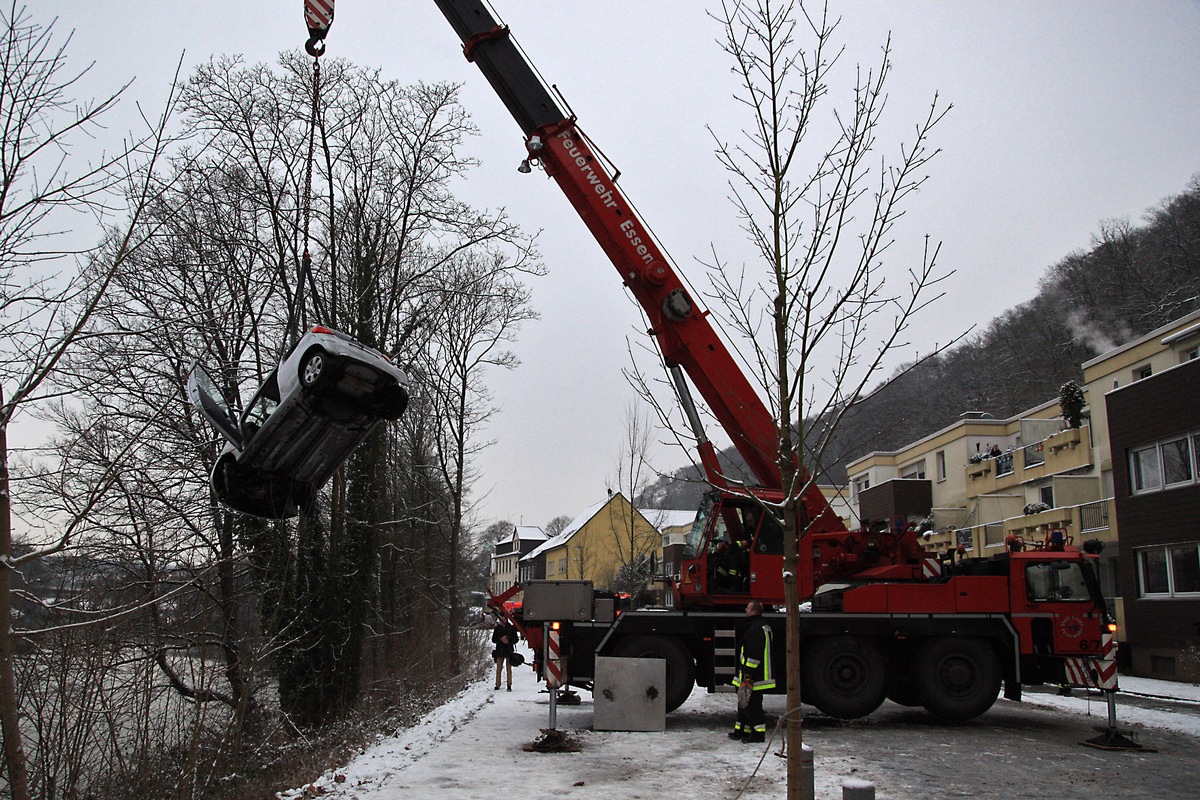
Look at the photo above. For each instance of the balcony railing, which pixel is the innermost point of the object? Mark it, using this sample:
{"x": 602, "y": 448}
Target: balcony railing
{"x": 1034, "y": 454}
{"x": 1094, "y": 516}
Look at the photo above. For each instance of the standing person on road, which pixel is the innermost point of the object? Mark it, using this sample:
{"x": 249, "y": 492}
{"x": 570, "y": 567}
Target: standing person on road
{"x": 753, "y": 676}
{"x": 504, "y": 636}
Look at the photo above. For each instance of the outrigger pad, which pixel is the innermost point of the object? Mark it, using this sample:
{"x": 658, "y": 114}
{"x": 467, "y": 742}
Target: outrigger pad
{"x": 1112, "y": 739}
{"x": 553, "y": 741}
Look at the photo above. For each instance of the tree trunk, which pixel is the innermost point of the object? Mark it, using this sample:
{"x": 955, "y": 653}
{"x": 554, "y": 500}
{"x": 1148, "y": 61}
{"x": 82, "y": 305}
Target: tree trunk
{"x": 10, "y": 716}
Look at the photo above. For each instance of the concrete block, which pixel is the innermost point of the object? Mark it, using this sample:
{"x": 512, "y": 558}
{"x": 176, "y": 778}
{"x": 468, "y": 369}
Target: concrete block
{"x": 630, "y": 694}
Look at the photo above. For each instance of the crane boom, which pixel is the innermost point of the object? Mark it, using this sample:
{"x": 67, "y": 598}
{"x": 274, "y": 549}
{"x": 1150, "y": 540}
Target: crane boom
{"x": 680, "y": 327}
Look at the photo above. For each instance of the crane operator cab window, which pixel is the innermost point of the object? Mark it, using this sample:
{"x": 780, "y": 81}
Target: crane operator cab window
{"x": 1056, "y": 581}
{"x": 739, "y": 529}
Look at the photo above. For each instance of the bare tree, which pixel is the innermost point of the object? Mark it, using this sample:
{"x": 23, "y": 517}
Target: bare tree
{"x": 815, "y": 309}
{"x": 45, "y": 302}
{"x": 482, "y": 305}
{"x": 556, "y": 526}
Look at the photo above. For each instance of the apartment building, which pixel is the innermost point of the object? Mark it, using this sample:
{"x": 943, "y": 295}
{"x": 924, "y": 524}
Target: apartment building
{"x": 981, "y": 480}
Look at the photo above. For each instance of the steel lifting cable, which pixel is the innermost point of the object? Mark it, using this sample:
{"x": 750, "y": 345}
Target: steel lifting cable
{"x": 318, "y": 15}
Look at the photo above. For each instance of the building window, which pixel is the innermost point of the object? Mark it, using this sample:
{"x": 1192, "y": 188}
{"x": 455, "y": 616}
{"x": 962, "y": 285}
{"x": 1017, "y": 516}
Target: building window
{"x": 916, "y": 470}
{"x": 1177, "y": 462}
{"x": 1170, "y": 571}
{"x": 1142, "y": 373}
{"x": 860, "y": 486}
{"x": 1164, "y": 465}
{"x": 1190, "y": 355}
{"x": 941, "y": 465}
{"x": 1046, "y": 495}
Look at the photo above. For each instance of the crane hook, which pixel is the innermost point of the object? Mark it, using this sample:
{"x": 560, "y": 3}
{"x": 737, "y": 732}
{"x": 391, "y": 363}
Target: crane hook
{"x": 318, "y": 16}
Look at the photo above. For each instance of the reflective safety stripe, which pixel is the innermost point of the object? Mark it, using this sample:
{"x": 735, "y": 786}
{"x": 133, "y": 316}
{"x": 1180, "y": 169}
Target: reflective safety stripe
{"x": 1099, "y": 673}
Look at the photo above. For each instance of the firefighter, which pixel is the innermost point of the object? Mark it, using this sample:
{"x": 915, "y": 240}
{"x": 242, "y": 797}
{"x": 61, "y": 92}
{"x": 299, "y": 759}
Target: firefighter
{"x": 732, "y": 557}
{"x": 753, "y": 676}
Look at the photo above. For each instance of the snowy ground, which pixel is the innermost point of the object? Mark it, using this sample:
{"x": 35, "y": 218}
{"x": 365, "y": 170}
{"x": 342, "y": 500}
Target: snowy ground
{"x": 473, "y": 748}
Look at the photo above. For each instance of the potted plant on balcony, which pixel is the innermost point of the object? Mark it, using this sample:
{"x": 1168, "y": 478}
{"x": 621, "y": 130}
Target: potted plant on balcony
{"x": 1070, "y": 401}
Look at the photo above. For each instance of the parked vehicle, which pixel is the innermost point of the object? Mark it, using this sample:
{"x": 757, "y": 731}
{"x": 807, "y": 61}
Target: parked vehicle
{"x": 310, "y": 413}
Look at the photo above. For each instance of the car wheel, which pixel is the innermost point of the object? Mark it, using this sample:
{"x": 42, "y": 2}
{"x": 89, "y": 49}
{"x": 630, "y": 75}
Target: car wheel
{"x": 313, "y": 368}
{"x": 394, "y": 401}
{"x": 681, "y": 669}
{"x": 844, "y": 676}
{"x": 958, "y": 679}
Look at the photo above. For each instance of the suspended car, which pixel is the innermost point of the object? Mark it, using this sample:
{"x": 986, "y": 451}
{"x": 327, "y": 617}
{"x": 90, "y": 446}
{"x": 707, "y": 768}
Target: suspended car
{"x": 305, "y": 420}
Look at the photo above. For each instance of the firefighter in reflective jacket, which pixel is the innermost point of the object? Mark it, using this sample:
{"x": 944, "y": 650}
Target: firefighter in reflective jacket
{"x": 753, "y": 676}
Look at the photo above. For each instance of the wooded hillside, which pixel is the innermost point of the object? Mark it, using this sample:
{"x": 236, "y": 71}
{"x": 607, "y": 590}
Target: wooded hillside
{"x": 1132, "y": 280}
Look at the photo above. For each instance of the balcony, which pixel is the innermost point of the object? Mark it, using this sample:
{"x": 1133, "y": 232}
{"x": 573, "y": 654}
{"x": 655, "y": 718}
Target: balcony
{"x": 1068, "y": 438}
{"x": 1065, "y": 451}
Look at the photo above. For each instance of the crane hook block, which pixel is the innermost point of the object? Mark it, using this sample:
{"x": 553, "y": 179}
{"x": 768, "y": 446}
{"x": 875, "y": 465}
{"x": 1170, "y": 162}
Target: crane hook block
{"x": 318, "y": 16}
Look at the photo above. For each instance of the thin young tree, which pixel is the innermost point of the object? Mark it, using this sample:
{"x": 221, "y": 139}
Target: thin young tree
{"x": 632, "y": 543}
{"x": 816, "y": 308}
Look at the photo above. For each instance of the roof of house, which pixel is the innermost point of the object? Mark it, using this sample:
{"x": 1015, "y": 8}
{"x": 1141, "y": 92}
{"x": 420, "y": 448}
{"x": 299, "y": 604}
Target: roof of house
{"x": 663, "y": 518}
{"x": 562, "y": 538}
{"x": 524, "y": 533}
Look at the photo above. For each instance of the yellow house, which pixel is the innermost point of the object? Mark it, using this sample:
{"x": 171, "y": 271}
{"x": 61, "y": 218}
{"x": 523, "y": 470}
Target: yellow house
{"x": 602, "y": 539}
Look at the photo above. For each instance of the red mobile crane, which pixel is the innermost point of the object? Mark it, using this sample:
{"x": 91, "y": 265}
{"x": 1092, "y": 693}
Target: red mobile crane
{"x": 886, "y": 619}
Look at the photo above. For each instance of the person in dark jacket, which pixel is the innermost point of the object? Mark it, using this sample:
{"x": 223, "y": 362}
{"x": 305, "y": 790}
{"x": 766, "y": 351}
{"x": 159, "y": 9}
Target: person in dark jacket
{"x": 753, "y": 677}
{"x": 504, "y": 636}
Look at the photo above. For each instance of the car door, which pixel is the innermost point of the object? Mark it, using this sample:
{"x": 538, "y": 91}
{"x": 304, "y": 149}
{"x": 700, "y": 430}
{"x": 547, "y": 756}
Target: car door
{"x": 205, "y": 396}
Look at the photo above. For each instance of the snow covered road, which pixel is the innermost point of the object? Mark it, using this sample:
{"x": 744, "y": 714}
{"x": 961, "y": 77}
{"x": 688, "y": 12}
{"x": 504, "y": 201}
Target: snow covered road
{"x": 471, "y": 748}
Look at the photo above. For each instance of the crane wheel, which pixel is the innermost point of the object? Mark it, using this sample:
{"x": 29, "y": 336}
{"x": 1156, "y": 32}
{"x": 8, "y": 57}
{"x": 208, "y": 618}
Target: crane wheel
{"x": 681, "y": 669}
{"x": 844, "y": 676}
{"x": 958, "y": 679}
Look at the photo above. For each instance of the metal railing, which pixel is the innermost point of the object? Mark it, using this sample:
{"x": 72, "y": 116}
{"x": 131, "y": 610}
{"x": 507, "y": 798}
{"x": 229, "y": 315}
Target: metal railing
{"x": 1093, "y": 516}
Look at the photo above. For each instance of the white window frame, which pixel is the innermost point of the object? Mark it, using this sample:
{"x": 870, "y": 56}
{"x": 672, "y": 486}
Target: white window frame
{"x": 1156, "y": 464}
{"x": 1165, "y": 550}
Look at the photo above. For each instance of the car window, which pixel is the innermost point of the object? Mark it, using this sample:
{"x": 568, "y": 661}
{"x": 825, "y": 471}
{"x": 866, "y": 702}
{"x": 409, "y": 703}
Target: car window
{"x": 262, "y": 406}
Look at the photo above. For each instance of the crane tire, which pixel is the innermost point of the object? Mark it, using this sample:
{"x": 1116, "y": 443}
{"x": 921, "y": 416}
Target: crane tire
{"x": 958, "y": 678}
{"x": 681, "y": 668}
{"x": 844, "y": 676}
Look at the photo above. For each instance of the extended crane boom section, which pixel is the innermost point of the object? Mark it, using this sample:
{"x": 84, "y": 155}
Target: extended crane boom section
{"x": 681, "y": 329}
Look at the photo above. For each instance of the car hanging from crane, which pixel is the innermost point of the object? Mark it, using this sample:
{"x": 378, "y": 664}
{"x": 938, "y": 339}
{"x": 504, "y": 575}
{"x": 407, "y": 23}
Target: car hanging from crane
{"x": 320, "y": 403}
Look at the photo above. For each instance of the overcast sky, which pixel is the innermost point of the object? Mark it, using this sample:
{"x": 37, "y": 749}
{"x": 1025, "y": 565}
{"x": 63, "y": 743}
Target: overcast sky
{"x": 1065, "y": 114}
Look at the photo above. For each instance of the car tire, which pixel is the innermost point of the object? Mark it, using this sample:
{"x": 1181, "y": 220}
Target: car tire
{"x": 681, "y": 669}
{"x": 314, "y": 368}
{"x": 394, "y": 401}
{"x": 844, "y": 676}
{"x": 958, "y": 678}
